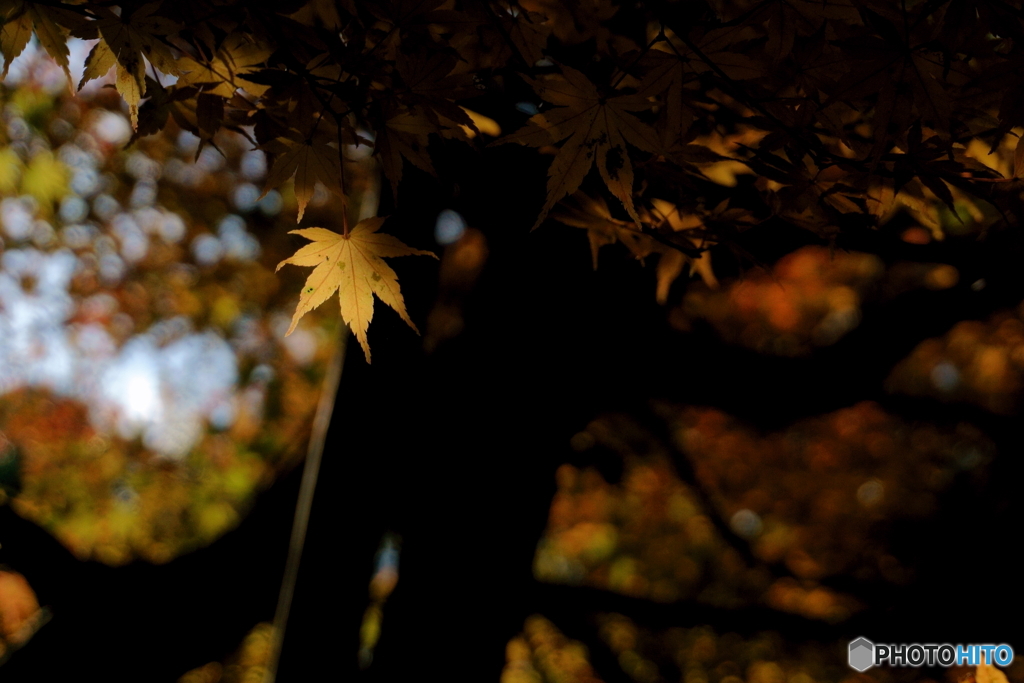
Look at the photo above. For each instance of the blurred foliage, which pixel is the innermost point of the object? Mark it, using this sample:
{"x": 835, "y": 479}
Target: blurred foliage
{"x": 461, "y": 265}
{"x": 247, "y": 665}
{"x": 20, "y": 614}
{"x": 765, "y": 519}
{"x": 980, "y": 362}
{"x": 542, "y": 654}
{"x": 703, "y": 654}
{"x": 154, "y": 251}
{"x": 810, "y": 298}
{"x": 818, "y": 495}
{"x": 646, "y": 536}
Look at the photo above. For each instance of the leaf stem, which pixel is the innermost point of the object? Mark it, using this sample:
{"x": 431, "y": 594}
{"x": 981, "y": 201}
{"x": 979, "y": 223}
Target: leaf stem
{"x": 341, "y": 183}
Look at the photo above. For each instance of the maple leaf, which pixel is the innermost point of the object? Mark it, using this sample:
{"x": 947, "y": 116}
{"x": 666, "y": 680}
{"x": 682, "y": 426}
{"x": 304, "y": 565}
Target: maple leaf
{"x": 423, "y": 104}
{"x": 430, "y": 83}
{"x": 670, "y": 266}
{"x": 405, "y": 134}
{"x": 226, "y": 72}
{"x": 124, "y": 40}
{"x": 905, "y": 84}
{"x": 21, "y": 18}
{"x": 309, "y": 161}
{"x": 528, "y": 28}
{"x": 592, "y": 214}
{"x": 97, "y": 63}
{"x": 15, "y": 34}
{"x": 353, "y": 266}
{"x": 719, "y": 50}
{"x": 406, "y": 16}
{"x": 164, "y": 102}
{"x": 597, "y": 126}
{"x": 667, "y": 75}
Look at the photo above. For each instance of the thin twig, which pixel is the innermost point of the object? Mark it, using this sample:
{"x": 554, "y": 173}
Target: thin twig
{"x": 304, "y": 505}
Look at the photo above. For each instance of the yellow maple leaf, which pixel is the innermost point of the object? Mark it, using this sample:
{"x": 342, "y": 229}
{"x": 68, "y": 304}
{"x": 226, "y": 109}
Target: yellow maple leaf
{"x": 18, "y": 20}
{"x": 97, "y": 63}
{"x": 124, "y": 41}
{"x": 14, "y": 34}
{"x": 353, "y": 266}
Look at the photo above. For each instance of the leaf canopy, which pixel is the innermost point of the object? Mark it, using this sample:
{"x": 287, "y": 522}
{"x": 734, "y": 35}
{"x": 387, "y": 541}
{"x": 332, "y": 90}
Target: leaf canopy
{"x": 831, "y": 116}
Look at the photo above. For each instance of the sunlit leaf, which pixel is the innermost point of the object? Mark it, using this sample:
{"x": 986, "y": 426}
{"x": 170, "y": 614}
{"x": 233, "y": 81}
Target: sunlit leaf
{"x": 351, "y": 265}
{"x": 129, "y": 39}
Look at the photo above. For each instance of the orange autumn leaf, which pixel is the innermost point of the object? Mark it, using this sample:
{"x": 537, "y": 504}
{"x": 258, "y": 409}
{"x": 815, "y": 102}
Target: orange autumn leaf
{"x": 353, "y": 266}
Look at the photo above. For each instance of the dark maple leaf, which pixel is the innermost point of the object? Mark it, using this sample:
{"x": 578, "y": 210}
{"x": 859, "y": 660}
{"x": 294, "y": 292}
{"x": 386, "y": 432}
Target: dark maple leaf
{"x": 598, "y": 125}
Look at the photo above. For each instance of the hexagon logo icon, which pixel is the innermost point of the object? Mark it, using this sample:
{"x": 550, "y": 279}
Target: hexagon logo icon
{"x": 862, "y": 654}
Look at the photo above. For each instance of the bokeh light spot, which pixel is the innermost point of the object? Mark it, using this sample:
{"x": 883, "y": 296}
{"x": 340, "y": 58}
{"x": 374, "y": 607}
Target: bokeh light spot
{"x": 449, "y": 228}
